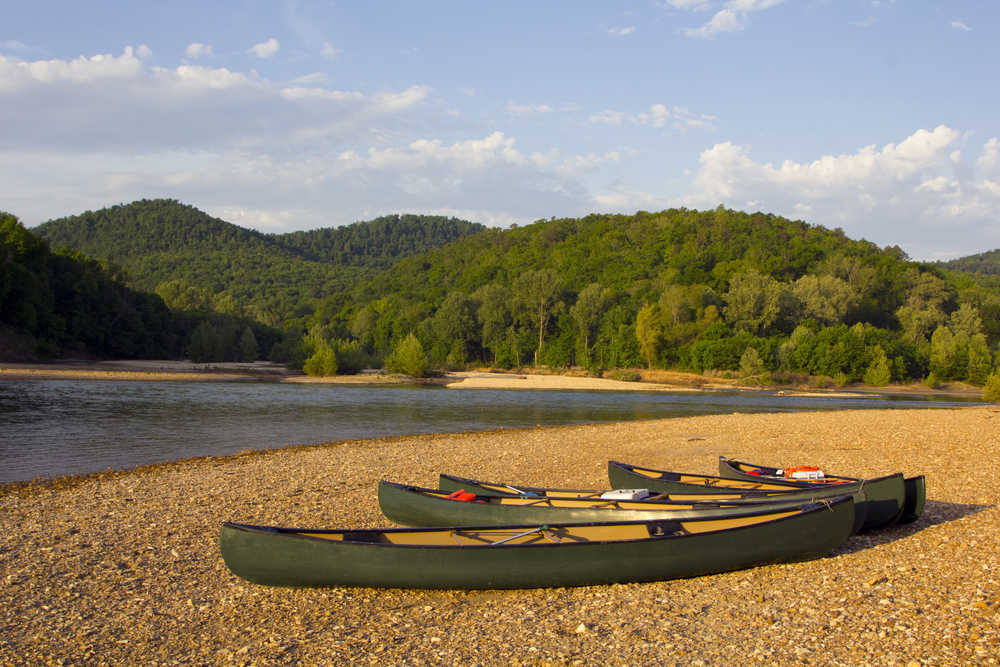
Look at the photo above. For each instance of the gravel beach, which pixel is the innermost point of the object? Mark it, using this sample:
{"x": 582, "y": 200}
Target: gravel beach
{"x": 123, "y": 568}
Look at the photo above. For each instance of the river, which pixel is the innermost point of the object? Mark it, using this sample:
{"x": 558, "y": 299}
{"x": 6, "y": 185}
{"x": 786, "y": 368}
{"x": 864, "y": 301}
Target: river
{"x": 50, "y": 428}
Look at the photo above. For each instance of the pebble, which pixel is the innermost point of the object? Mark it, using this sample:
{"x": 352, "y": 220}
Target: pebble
{"x": 124, "y": 567}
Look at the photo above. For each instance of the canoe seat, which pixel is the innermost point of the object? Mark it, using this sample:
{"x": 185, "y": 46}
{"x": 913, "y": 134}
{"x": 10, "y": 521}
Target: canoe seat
{"x": 664, "y": 528}
{"x": 366, "y": 536}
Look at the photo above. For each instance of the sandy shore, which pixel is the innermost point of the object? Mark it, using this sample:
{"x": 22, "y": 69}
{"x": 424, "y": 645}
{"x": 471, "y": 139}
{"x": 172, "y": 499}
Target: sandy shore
{"x": 673, "y": 381}
{"x": 124, "y": 568}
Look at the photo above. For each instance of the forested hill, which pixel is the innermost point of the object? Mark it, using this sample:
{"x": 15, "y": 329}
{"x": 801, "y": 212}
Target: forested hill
{"x": 987, "y": 263}
{"x": 676, "y": 288}
{"x": 162, "y": 241}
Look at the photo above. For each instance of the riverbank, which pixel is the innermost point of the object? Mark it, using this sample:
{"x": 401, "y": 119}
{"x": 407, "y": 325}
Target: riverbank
{"x": 124, "y": 567}
{"x": 640, "y": 380}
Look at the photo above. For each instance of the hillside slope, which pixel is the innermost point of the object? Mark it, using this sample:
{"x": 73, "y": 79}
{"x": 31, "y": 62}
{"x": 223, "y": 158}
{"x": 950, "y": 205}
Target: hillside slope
{"x": 163, "y": 240}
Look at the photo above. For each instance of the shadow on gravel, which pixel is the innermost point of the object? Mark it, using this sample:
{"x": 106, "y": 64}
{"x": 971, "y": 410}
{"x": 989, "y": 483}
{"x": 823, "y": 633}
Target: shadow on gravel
{"x": 935, "y": 513}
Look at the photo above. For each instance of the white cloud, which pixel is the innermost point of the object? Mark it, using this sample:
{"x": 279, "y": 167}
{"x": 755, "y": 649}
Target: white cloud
{"x": 329, "y": 50}
{"x": 867, "y": 23}
{"x": 620, "y": 32}
{"x": 588, "y": 164}
{"x": 608, "y": 117}
{"x": 125, "y": 105}
{"x": 903, "y": 194}
{"x": 733, "y": 17}
{"x": 658, "y": 116}
{"x": 960, "y": 26}
{"x": 471, "y": 92}
{"x": 266, "y": 49}
{"x": 311, "y": 79}
{"x": 22, "y": 50}
{"x": 525, "y": 111}
{"x": 197, "y": 50}
{"x": 91, "y": 132}
{"x": 694, "y": 5}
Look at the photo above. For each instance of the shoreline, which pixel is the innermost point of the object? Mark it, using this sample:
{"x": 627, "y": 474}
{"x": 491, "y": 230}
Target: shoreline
{"x": 666, "y": 381}
{"x": 124, "y": 567}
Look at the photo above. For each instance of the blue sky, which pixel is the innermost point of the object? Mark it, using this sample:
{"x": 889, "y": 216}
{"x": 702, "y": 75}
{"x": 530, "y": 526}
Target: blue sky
{"x": 877, "y": 117}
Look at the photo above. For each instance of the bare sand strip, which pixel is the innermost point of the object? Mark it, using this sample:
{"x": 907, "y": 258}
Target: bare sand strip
{"x": 473, "y": 380}
{"x": 124, "y": 568}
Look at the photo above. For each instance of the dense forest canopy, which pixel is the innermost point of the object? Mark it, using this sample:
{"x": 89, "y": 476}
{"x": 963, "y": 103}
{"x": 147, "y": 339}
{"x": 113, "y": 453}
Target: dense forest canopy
{"x": 987, "y": 263}
{"x": 240, "y": 270}
{"x": 716, "y": 291}
{"x": 693, "y": 289}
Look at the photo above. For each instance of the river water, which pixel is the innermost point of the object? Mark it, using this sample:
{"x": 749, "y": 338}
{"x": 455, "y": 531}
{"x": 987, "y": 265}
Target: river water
{"x": 59, "y": 427}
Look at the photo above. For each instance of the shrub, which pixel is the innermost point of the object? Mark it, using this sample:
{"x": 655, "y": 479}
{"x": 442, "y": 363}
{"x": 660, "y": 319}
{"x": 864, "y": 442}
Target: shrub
{"x": 991, "y": 391}
{"x": 323, "y": 362}
{"x": 840, "y": 379}
{"x": 878, "y": 373}
{"x": 408, "y": 358}
{"x": 932, "y": 381}
{"x": 351, "y": 358}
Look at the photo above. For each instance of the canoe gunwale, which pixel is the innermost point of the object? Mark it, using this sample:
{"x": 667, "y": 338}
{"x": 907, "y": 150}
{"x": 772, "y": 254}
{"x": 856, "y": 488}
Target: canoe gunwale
{"x": 297, "y": 533}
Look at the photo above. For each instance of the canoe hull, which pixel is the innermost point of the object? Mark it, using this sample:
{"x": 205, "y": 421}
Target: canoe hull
{"x": 916, "y": 496}
{"x": 278, "y": 557}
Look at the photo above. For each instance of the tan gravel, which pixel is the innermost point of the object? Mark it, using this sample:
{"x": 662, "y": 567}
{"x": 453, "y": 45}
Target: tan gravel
{"x": 124, "y": 568}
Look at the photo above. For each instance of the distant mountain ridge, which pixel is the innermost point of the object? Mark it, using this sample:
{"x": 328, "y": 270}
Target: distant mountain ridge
{"x": 163, "y": 240}
{"x": 986, "y": 263}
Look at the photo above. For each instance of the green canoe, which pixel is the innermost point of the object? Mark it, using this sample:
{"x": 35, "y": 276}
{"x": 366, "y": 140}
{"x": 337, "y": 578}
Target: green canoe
{"x": 451, "y": 483}
{"x": 690, "y": 493}
{"x": 884, "y": 496}
{"x": 533, "y": 556}
{"x": 407, "y": 505}
{"x": 623, "y": 474}
{"x": 915, "y": 487}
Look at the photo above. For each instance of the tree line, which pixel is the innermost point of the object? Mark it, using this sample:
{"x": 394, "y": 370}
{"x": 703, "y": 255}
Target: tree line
{"x": 717, "y": 291}
{"x": 676, "y": 289}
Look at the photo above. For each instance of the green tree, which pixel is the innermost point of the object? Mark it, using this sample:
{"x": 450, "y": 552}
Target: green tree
{"x": 249, "y": 351}
{"x": 205, "y": 346}
{"x": 824, "y": 298}
{"x": 991, "y": 390}
{"x": 965, "y": 320}
{"x": 752, "y": 302}
{"x": 323, "y": 362}
{"x": 675, "y": 305}
{"x": 924, "y": 309}
{"x": 493, "y": 316}
{"x": 455, "y": 324}
{"x": 537, "y": 293}
{"x": 351, "y": 358}
{"x": 647, "y": 332}
{"x": 979, "y": 359}
{"x": 878, "y": 373}
{"x": 943, "y": 350}
{"x": 408, "y": 358}
{"x": 590, "y": 306}
{"x": 180, "y": 295}
{"x": 751, "y": 365}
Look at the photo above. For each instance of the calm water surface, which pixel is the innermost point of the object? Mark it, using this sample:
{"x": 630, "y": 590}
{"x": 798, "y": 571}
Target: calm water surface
{"x": 58, "y": 427}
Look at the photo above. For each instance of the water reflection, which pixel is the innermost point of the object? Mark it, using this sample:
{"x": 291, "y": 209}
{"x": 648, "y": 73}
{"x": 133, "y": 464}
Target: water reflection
{"x": 56, "y": 427}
